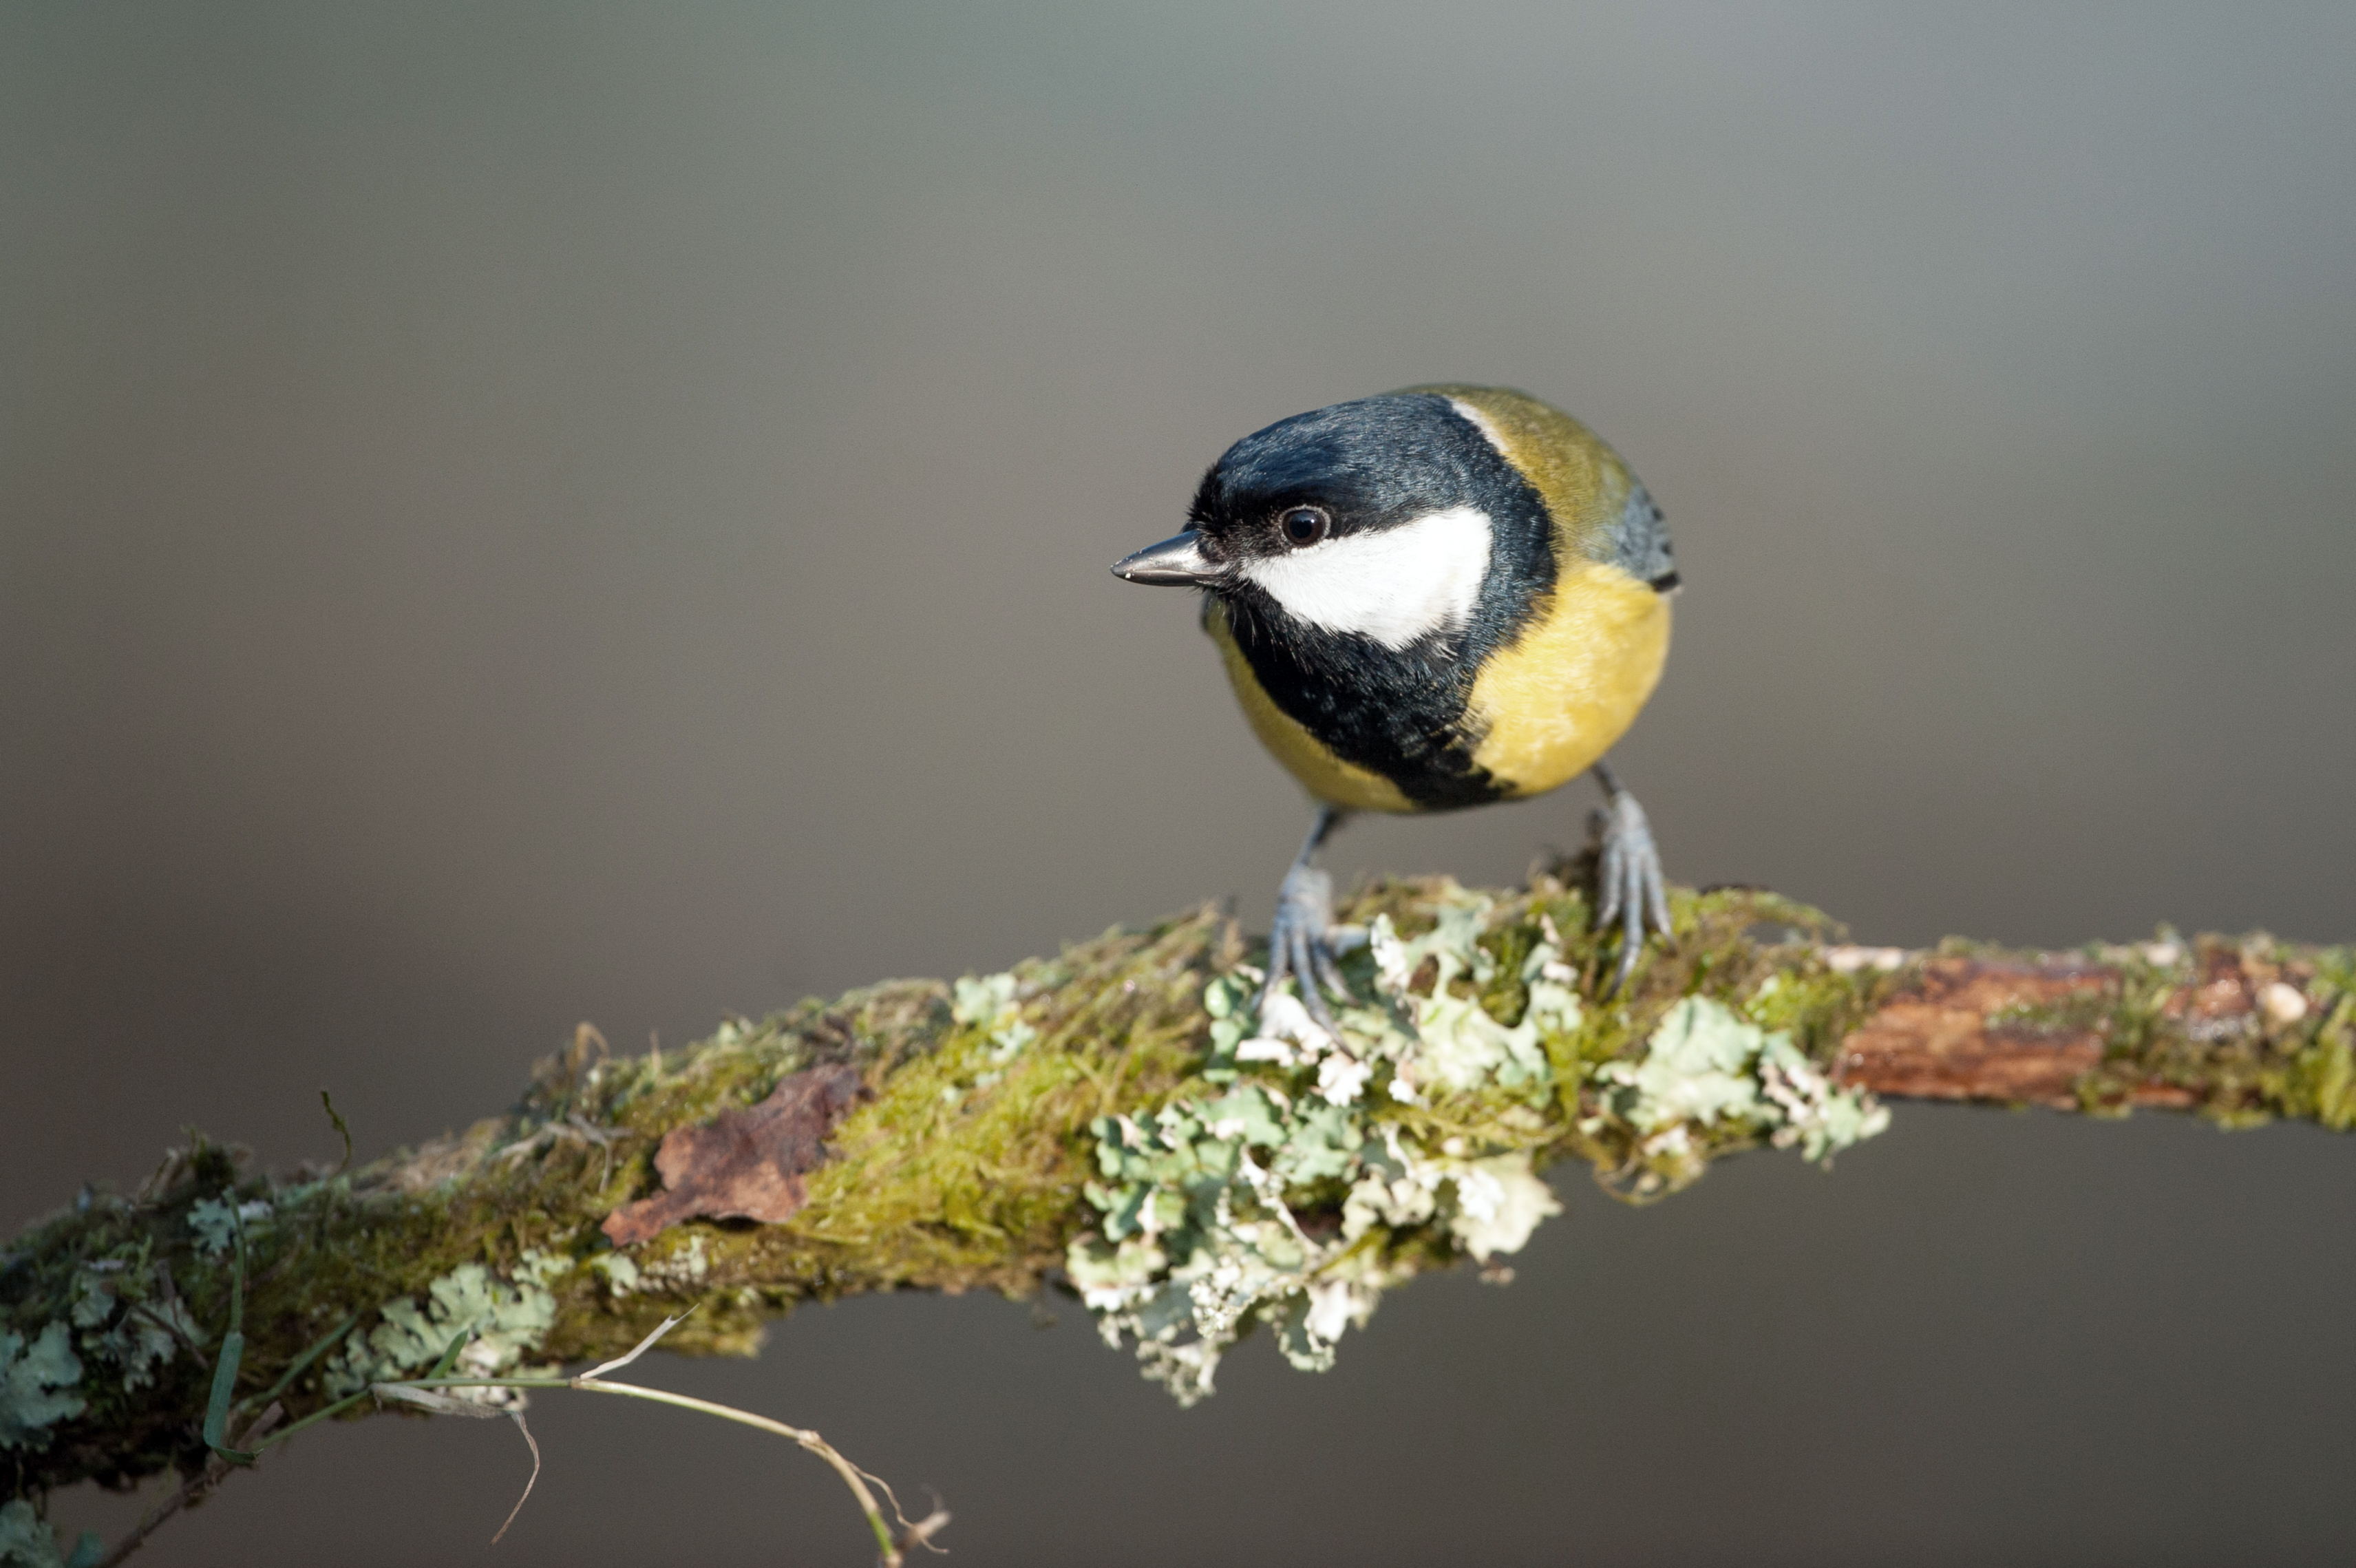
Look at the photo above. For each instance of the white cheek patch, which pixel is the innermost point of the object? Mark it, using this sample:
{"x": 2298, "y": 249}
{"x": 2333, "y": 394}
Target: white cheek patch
{"x": 1393, "y": 584}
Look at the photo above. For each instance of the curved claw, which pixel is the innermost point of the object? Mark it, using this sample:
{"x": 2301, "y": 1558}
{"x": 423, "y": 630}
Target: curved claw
{"x": 1302, "y": 942}
{"x": 1631, "y": 887}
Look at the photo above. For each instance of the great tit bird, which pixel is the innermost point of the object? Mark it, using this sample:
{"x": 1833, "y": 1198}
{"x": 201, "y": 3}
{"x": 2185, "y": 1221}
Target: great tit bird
{"x": 1428, "y": 600}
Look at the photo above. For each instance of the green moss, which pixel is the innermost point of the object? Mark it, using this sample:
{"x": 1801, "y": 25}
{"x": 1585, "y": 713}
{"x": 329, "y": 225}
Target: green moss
{"x": 2314, "y": 1076}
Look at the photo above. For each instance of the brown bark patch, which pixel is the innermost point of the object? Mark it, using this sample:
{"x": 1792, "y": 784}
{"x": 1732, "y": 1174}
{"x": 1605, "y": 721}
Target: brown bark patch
{"x": 1947, "y": 1036}
{"x": 744, "y": 1165}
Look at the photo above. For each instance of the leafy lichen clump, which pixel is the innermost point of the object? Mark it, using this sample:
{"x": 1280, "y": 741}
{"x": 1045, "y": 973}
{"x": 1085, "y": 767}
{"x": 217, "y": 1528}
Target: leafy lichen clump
{"x": 36, "y": 1385}
{"x": 1705, "y": 1067}
{"x": 217, "y": 1222}
{"x": 498, "y": 1321}
{"x": 123, "y": 1317}
{"x": 1332, "y": 1167}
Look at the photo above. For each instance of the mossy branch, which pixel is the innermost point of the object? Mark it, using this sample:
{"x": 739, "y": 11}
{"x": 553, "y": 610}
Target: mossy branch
{"x": 962, "y": 1162}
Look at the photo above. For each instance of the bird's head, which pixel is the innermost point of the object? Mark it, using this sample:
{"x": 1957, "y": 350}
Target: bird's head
{"x": 1380, "y": 518}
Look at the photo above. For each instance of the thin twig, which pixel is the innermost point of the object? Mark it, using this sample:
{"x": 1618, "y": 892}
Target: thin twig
{"x": 426, "y": 1393}
{"x": 530, "y": 1481}
{"x": 640, "y": 1348}
{"x": 920, "y": 1531}
{"x": 439, "y": 1404}
{"x": 808, "y": 1440}
{"x": 853, "y": 1476}
{"x": 924, "y": 1530}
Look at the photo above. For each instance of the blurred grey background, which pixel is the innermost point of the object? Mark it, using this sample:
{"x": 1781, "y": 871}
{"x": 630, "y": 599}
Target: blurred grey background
{"x": 511, "y": 515}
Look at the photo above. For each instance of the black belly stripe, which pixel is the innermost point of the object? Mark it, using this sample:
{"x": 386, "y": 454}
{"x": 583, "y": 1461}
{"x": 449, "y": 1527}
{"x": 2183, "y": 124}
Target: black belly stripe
{"x": 1395, "y": 713}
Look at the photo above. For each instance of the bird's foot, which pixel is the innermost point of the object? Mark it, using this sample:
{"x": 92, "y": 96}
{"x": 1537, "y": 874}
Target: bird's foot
{"x": 1304, "y": 941}
{"x": 1629, "y": 885}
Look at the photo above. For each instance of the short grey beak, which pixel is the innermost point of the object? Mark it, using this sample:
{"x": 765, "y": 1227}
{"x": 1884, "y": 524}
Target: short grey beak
{"x": 1174, "y": 563}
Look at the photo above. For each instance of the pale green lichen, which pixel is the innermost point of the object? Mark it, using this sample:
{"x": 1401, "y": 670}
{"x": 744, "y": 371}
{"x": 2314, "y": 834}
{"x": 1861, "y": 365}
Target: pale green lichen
{"x": 216, "y": 1223}
{"x": 1708, "y": 1070}
{"x": 1450, "y": 1040}
{"x": 1203, "y": 1231}
{"x": 499, "y": 1321}
{"x": 1326, "y": 1171}
{"x": 619, "y": 1270}
{"x": 990, "y": 1006}
{"x": 121, "y": 1319}
{"x": 37, "y": 1383}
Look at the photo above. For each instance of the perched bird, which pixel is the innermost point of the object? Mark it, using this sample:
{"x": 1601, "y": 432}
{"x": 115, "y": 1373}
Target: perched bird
{"x": 1428, "y": 600}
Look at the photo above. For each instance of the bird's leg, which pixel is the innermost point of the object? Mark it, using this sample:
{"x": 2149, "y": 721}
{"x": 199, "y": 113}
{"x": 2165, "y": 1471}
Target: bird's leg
{"x": 1630, "y": 886}
{"x": 1300, "y": 941}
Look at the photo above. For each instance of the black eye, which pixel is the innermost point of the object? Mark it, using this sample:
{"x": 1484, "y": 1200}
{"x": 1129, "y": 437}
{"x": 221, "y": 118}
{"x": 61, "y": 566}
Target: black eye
{"x": 1304, "y": 524}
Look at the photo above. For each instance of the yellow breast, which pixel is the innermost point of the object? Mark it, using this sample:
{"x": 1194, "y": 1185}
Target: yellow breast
{"x": 1548, "y": 707}
{"x": 1544, "y": 710}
